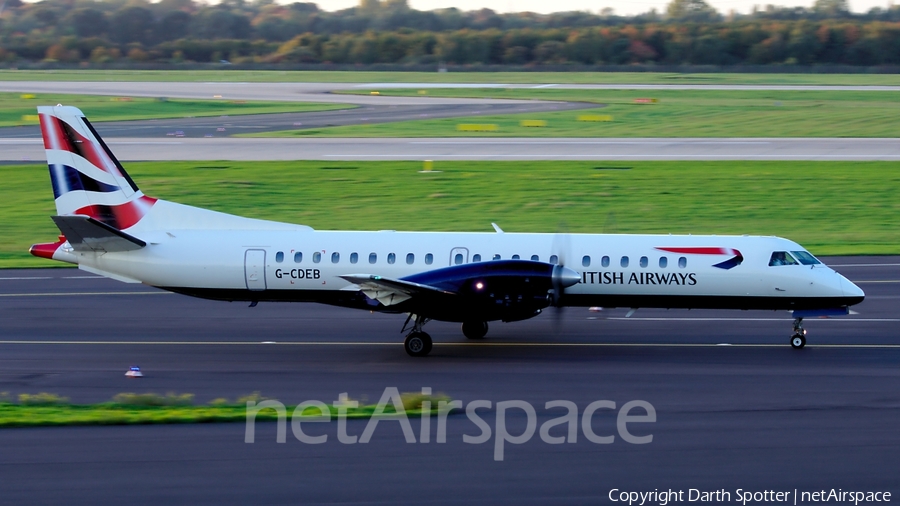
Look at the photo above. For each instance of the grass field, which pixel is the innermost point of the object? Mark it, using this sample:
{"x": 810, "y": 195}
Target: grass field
{"x": 42, "y": 410}
{"x": 447, "y": 77}
{"x": 13, "y": 107}
{"x": 830, "y": 207}
{"x": 678, "y": 113}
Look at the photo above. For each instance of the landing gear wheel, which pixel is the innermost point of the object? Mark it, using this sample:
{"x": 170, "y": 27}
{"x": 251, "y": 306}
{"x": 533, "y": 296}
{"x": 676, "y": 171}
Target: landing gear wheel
{"x": 475, "y": 330}
{"x": 798, "y": 341}
{"x": 417, "y": 344}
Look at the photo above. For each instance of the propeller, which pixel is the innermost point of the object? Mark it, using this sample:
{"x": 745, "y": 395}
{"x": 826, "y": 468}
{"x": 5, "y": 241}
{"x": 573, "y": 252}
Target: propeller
{"x": 562, "y": 277}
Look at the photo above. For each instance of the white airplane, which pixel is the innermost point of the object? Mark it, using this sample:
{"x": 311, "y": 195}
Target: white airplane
{"x": 112, "y": 229}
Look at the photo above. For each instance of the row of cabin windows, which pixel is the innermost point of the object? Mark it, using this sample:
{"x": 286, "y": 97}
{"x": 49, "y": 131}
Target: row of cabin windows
{"x": 458, "y": 259}
{"x": 644, "y": 262}
{"x": 354, "y": 257}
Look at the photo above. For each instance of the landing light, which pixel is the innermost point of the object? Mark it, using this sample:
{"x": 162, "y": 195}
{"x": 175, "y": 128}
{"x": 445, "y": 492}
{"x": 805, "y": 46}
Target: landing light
{"x": 479, "y": 285}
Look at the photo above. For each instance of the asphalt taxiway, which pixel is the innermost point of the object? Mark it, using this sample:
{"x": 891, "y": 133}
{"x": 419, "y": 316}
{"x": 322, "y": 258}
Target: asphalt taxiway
{"x": 288, "y": 149}
{"x": 320, "y": 92}
{"x": 209, "y": 138}
{"x": 224, "y": 126}
{"x": 736, "y": 406}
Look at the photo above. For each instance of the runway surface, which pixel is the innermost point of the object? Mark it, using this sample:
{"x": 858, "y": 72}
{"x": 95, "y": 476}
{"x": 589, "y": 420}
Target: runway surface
{"x": 286, "y": 92}
{"x": 318, "y": 92}
{"x": 736, "y": 406}
{"x": 186, "y": 139}
{"x": 172, "y": 148}
{"x": 224, "y": 126}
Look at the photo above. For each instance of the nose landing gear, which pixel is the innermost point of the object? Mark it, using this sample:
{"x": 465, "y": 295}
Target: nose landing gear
{"x": 798, "y": 340}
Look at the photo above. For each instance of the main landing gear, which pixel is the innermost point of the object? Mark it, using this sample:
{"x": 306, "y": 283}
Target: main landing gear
{"x": 417, "y": 343}
{"x": 798, "y": 340}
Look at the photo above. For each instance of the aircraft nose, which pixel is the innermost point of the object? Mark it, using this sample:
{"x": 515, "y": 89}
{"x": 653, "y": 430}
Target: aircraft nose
{"x": 851, "y": 290}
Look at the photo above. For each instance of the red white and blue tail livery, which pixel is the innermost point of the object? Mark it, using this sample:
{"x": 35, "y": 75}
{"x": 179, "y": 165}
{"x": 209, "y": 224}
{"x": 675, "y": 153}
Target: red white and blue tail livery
{"x": 110, "y": 228}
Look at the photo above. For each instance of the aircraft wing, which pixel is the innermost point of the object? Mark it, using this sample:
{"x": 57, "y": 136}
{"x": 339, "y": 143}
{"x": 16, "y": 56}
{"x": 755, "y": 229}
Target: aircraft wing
{"x": 391, "y": 291}
{"x": 87, "y": 234}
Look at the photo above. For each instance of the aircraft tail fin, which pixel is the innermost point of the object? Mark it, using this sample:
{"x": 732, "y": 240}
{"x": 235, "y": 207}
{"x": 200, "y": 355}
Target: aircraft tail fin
{"x": 87, "y": 178}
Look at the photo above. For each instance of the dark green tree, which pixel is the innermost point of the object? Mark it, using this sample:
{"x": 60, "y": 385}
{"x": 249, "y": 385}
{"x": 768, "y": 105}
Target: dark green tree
{"x": 690, "y": 10}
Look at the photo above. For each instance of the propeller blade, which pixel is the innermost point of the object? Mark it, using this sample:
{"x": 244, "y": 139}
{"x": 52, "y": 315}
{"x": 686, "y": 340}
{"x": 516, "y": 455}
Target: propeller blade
{"x": 558, "y": 319}
{"x": 561, "y": 247}
{"x": 562, "y": 277}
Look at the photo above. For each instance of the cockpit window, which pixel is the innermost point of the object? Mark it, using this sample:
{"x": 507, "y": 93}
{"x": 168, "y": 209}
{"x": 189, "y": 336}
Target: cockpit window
{"x": 805, "y": 258}
{"x": 781, "y": 258}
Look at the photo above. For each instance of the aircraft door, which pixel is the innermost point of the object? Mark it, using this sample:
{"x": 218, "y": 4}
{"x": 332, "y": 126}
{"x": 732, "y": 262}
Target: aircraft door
{"x": 255, "y": 269}
{"x": 459, "y": 256}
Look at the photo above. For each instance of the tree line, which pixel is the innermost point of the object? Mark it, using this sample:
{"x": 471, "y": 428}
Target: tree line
{"x": 388, "y": 31}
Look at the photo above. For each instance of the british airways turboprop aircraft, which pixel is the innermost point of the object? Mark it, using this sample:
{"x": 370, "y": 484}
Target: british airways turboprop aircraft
{"x": 112, "y": 229}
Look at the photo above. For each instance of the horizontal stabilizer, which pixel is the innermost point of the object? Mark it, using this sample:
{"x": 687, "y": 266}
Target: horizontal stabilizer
{"x": 87, "y": 234}
{"x": 390, "y": 291}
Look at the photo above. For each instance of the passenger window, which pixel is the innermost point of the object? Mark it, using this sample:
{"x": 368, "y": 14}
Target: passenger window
{"x": 496, "y": 257}
{"x": 604, "y": 261}
{"x": 458, "y": 259}
{"x": 429, "y": 258}
{"x": 354, "y": 257}
{"x": 476, "y": 257}
{"x": 663, "y": 262}
{"x": 373, "y": 258}
{"x": 624, "y": 262}
{"x": 335, "y": 257}
{"x": 515, "y": 257}
{"x": 392, "y": 258}
{"x": 781, "y": 258}
{"x": 682, "y": 262}
{"x": 298, "y": 257}
{"x": 805, "y": 258}
{"x": 279, "y": 257}
{"x": 317, "y": 257}
{"x": 410, "y": 258}
{"x": 586, "y": 261}
{"x": 644, "y": 262}
{"x": 554, "y": 259}
{"x": 535, "y": 258}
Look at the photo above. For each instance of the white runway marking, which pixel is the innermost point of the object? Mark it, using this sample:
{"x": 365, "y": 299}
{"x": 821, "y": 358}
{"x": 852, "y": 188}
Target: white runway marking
{"x": 50, "y": 277}
{"x": 864, "y": 265}
{"x": 458, "y": 344}
{"x": 785, "y": 319}
{"x": 142, "y": 143}
{"x": 590, "y": 143}
{"x": 77, "y": 294}
{"x": 606, "y": 156}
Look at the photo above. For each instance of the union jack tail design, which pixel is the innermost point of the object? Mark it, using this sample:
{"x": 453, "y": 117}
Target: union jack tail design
{"x": 87, "y": 179}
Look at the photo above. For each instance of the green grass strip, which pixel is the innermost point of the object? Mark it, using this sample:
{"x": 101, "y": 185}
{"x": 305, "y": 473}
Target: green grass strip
{"x": 14, "y": 415}
{"x": 678, "y": 113}
{"x": 447, "y": 77}
{"x": 830, "y": 207}
{"x": 42, "y": 410}
{"x": 16, "y": 110}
